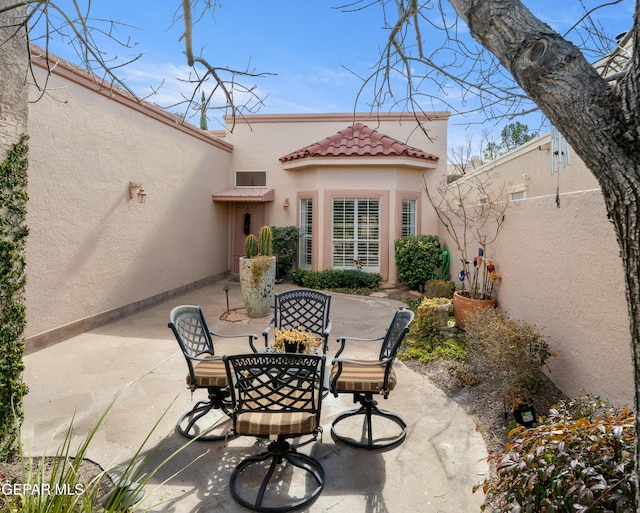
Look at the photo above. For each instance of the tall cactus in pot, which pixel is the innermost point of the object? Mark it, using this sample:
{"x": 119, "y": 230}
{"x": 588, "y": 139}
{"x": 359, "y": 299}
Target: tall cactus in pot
{"x": 250, "y": 246}
{"x": 257, "y": 273}
{"x": 265, "y": 246}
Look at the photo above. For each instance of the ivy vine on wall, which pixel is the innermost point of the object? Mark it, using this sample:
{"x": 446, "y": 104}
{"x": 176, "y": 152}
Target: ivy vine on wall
{"x": 13, "y": 238}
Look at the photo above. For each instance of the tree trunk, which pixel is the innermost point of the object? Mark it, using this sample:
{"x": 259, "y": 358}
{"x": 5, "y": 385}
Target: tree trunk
{"x": 599, "y": 120}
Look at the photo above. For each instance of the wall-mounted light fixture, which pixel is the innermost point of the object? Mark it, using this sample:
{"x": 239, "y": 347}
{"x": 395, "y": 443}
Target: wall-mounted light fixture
{"x": 286, "y": 203}
{"x": 136, "y": 188}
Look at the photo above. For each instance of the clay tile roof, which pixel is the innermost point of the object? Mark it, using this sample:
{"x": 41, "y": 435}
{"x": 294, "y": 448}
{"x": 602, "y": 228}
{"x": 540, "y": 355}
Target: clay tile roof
{"x": 358, "y": 140}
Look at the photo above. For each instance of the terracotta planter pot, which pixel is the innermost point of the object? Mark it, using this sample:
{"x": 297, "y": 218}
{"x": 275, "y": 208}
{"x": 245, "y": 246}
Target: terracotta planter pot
{"x": 463, "y": 305}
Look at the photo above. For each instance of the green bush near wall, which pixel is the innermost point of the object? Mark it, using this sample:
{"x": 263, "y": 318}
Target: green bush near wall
{"x": 285, "y": 245}
{"x": 13, "y": 237}
{"x": 417, "y": 257}
{"x": 336, "y": 279}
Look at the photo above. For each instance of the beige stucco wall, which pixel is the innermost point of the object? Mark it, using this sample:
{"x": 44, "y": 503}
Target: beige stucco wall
{"x": 260, "y": 140}
{"x": 561, "y": 271}
{"x": 91, "y": 248}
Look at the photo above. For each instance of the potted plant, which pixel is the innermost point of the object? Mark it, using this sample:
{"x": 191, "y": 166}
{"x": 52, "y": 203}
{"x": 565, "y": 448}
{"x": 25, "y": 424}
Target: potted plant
{"x": 258, "y": 273}
{"x": 519, "y": 403}
{"x": 476, "y": 287}
{"x": 295, "y": 340}
{"x": 472, "y": 211}
{"x": 518, "y": 350}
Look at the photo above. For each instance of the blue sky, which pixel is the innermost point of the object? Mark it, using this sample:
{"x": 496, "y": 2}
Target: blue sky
{"x": 310, "y": 46}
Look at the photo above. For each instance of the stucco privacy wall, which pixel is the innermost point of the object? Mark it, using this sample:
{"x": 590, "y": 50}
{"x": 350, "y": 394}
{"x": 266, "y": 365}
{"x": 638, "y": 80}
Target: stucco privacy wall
{"x": 562, "y": 272}
{"x": 528, "y": 168}
{"x": 92, "y": 250}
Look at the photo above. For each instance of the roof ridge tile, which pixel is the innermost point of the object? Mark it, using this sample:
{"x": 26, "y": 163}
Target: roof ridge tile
{"x": 358, "y": 140}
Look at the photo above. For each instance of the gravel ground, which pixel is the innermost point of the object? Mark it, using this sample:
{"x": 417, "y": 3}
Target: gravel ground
{"x": 483, "y": 399}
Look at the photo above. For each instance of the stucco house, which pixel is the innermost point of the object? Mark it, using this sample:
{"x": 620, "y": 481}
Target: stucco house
{"x": 352, "y": 188}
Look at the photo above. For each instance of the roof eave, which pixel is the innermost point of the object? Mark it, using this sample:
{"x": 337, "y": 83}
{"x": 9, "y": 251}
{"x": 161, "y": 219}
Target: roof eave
{"x": 378, "y": 161}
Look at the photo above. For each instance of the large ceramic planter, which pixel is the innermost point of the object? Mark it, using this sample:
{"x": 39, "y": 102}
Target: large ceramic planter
{"x": 442, "y": 316}
{"x": 463, "y": 306}
{"x": 432, "y": 313}
{"x": 257, "y": 285}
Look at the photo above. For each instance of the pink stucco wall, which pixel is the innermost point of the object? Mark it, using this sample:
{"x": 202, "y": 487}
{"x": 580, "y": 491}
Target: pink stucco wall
{"x": 91, "y": 248}
{"x": 562, "y": 272}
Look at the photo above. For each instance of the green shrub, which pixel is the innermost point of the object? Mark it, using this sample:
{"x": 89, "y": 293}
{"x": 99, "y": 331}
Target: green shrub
{"x": 439, "y": 288}
{"x": 336, "y": 279}
{"x": 417, "y": 257}
{"x": 285, "y": 245}
{"x": 439, "y": 346}
{"x": 13, "y": 238}
{"x": 578, "y": 460}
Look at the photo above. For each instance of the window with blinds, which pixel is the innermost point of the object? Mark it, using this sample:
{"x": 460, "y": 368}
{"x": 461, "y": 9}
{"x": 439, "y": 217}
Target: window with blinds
{"x": 306, "y": 233}
{"x": 356, "y": 234}
{"x": 408, "y": 217}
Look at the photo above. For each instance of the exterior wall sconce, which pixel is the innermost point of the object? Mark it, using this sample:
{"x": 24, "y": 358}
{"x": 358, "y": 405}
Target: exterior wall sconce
{"x": 286, "y": 203}
{"x": 137, "y": 188}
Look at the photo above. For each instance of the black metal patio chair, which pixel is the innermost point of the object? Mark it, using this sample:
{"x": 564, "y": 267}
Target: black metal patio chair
{"x": 206, "y": 370}
{"x": 301, "y": 308}
{"x": 363, "y": 379}
{"x": 276, "y": 396}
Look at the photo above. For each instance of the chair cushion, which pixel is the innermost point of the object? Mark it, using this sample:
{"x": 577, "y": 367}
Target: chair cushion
{"x": 211, "y": 373}
{"x": 275, "y": 423}
{"x": 362, "y": 378}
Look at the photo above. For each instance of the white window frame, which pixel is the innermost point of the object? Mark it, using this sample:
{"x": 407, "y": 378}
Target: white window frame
{"x": 518, "y": 192}
{"x": 409, "y": 217}
{"x": 356, "y": 239}
{"x": 305, "y": 245}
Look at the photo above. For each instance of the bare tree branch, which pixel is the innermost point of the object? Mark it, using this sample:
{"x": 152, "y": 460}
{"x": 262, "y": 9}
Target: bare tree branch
{"x": 87, "y": 34}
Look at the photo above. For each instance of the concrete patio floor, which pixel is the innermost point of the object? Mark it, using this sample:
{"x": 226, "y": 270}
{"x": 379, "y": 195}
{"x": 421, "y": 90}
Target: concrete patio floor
{"x": 433, "y": 471}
